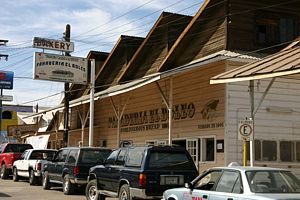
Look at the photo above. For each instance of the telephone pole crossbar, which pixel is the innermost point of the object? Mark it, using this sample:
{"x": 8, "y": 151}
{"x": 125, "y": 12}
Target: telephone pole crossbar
{"x": 3, "y": 43}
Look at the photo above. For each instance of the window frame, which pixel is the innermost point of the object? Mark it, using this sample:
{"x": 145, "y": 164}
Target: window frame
{"x": 274, "y": 28}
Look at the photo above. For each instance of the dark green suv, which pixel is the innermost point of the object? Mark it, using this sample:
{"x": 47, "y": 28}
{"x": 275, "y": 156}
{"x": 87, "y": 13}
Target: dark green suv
{"x": 141, "y": 173}
{"x": 70, "y": 166}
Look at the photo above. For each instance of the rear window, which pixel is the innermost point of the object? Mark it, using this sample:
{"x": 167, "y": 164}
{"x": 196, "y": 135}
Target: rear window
{"x": 17, "y": 148}
{"x": 173, "y": 160}
{"x": 93, "y": 156}
{"x": 135, "y": 157}
{"x": 41, "y": 155}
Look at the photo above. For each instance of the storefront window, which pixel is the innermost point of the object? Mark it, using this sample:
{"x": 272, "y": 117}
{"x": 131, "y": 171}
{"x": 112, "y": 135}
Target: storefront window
{"x": 298, "y": 151}
{"x": 257, "y": 149}
{"x": 208, "y": 149}
{"x": 269, "y": 150}
{"x": 286, "y": 151}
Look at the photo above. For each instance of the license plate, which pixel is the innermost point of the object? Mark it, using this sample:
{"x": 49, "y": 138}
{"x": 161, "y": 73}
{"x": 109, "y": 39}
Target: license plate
{"x": 169, "y": 180}
{"x": 172, "y": 180}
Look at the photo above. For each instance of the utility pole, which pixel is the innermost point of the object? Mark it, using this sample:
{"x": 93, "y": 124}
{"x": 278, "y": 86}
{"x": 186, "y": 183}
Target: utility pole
{"x": 2, "y": 43}
{"x": 67, "y": 93}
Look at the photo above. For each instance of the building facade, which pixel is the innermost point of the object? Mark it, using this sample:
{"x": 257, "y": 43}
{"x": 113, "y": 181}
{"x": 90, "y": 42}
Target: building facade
{"x": 160, "y": 92}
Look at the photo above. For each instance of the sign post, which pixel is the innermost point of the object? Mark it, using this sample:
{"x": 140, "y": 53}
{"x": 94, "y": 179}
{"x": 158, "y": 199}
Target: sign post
{"x": 6, "y": 82}
{"x": 245, "y": 133}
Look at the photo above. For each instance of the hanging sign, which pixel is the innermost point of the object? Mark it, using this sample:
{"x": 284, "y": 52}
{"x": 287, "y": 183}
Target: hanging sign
{"x": 245, "y": 130}
{"x": 6, "y": 80}
{"x": 60, "y": 68}
{"x": 6, "y": 98}
{"x": 57, "y": 45}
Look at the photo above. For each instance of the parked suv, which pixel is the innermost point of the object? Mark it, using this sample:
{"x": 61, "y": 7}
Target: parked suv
{"x": 9, "y": 152}
{"x": 70, "y": 167}
{"x": 140, "y": 172}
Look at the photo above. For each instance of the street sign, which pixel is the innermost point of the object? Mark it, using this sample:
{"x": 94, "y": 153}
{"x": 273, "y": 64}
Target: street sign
{"x": 6, "y": 98}
{"x": 57, "y": 45}
{"x": 6, "y": 80}
{"x": 245, "y": 130}
{"x": 60, "y": 68}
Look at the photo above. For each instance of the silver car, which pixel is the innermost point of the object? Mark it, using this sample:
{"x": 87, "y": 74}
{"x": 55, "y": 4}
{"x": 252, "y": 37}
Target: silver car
{"x": 236, "y": 183}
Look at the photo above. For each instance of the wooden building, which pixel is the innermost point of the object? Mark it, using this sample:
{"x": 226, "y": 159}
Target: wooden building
{"x": 159, "y": 92}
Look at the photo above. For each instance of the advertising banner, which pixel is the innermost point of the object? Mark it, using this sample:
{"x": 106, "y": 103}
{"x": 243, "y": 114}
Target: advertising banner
{"x": 6, "y": 80}
{"x": 54, "y": 67}
{"x": 19, "y": 130}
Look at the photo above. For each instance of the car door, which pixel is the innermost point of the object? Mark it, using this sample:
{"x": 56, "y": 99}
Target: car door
{"x": 55, "y": 167}
{"x": 105, "y": 172}
{"x": 229, "y": 186}
{"x": 116, "y": 169}
{"x": 202, "y": 187}
{"x": 60, "y": 165}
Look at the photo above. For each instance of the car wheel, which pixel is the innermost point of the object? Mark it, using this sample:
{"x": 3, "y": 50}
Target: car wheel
{"x": 91, "y": 191}
{"x": 68, "y": 187}
{"x": 4, "y": 172}
{"x": 45, "y": 181}
{"x": 15, "y": 175}
{"x": 32, "y": 178}
{"x": 124, "y": 193}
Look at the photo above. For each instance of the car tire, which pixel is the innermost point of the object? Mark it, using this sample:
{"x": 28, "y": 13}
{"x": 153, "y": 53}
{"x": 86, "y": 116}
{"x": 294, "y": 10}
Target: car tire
{"x": 68, "y": 187}
{"x": 91, "y": 192}
{"x": 32, "y": 178}
{"x": 4, "y": 172}
{"x": 15, "y": 175}
{"x": 124, "y": 193}
{"x": 45, "y": 181}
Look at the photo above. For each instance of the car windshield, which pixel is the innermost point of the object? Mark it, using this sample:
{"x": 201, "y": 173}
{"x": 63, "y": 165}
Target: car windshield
{"x": 175, "y": 160}
{"x": 17, "y": 148}
{"x": 273, "y": 181}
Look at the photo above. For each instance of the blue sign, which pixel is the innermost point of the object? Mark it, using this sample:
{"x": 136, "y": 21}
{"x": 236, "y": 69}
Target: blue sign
{"x": 6, "y": 80}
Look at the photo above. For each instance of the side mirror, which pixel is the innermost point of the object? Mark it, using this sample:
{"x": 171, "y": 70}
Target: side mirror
{"x": 189, "y": 185}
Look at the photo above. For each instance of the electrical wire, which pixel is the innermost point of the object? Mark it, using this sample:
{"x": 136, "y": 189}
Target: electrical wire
{"x": 118, "y": 17}
{"x": 232, "y": 14}
{"x": 165, "y": 72}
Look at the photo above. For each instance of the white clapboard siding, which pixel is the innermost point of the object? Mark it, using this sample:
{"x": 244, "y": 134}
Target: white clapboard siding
{"x": 281, "y": 124}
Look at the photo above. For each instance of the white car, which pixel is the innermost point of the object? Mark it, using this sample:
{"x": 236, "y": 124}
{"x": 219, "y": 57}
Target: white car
{"x": 30, "y": 164}
{"x": 239, "y": 183}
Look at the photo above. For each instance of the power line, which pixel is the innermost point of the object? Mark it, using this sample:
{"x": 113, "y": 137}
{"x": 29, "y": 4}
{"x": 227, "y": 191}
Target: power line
{"x": 178, "y": 68}
{"x": 118, "y": 17}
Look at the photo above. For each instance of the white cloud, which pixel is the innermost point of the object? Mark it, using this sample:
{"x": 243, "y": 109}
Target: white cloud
{"x": 21, "y": 20}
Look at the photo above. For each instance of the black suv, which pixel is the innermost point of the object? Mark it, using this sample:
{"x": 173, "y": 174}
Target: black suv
{"x": 70, "y": 167}
{"x": 140, "y": 172}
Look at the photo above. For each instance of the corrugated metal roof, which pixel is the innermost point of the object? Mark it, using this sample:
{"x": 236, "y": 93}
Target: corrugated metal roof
{"x": 215, "y": 57}
{"x": 286, "y": 62}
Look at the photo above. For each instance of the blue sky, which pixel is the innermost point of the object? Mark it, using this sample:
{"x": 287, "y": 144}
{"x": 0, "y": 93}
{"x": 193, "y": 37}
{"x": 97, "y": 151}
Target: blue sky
{"x": 95, "y": 25}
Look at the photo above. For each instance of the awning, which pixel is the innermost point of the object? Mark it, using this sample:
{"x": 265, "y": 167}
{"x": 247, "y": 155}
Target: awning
{"x": 132, "y": 85}
{"x": 286, "y": 62}
{"x": 111, "y": 91}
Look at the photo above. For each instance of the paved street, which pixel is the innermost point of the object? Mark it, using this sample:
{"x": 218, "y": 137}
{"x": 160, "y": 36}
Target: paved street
{"x": 10, "y": 190}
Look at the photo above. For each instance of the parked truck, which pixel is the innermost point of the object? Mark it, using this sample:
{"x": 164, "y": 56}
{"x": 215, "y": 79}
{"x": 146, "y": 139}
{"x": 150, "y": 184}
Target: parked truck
{"x": 30, "y": 164}
{"x": 9, "y": 153}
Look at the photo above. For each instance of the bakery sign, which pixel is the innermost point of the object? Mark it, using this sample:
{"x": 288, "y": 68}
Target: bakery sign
{"x": 57, "y": 45}
{"x": 60, "y": 68}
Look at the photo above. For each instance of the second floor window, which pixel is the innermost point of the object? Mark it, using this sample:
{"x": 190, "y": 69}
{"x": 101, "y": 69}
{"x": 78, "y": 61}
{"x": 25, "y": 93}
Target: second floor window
{"x": 275, "y": 28}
